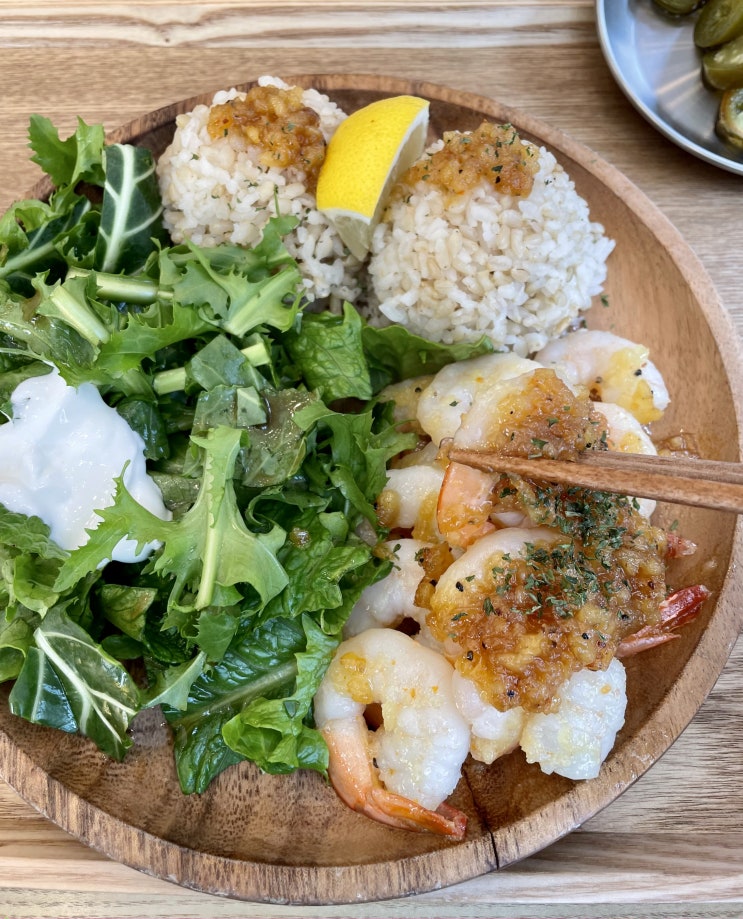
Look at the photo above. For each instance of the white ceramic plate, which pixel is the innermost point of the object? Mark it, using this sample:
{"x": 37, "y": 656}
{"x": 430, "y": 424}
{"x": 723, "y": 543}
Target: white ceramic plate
{"x": 655, "y": 62}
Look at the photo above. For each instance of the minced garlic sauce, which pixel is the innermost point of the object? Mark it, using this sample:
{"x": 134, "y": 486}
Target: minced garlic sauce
{"x": 493, "y": 153}
{"x": 277, "y": 121}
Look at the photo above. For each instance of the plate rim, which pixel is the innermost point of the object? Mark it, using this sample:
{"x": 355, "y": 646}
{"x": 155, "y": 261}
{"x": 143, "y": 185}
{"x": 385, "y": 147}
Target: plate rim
{"x": 652, "y": 116}
{"x": 477, "y": 856}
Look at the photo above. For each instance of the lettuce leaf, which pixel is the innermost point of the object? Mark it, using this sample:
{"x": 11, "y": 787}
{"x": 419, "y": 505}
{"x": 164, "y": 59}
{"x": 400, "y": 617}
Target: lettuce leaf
{"x": 395, "y": 354}
{"x": 254, "y": 704}
{"x": 328, "y": 352}
{"x": 79, "y": 158}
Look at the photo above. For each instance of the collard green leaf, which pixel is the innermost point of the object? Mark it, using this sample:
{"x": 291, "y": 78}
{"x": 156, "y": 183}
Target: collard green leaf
{"x": 73, "y": 677}
{"x": 16, "y": 638}
{"x": 33, "y": 236}
{"x": 131, "y": 212}
{"x": 42, "y": 338}
{"x": 39, "y": 696}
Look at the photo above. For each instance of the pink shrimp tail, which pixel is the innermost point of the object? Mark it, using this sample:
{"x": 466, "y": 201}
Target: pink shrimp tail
{"x": 677, "y": 610}
{"x": 679, "y": 546}
{"x": 465, "y": 504}
{"x": 355, "y": 781}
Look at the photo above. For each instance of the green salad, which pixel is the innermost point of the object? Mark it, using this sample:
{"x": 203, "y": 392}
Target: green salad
{"x": 260, "y": 425}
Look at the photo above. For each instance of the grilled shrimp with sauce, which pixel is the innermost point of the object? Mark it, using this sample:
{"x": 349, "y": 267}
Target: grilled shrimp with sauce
{"x": 451, "y": 393}
{"x": 625, "y": 434}
{"x": 386, "y": 603}
{"x": 613, "y": 369}
{"x": 525, "y": 594}
{"x": 572, "y": 741}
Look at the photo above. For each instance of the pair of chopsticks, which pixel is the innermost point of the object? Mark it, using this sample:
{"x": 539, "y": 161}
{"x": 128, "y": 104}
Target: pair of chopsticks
{"x": 677, "y": 480}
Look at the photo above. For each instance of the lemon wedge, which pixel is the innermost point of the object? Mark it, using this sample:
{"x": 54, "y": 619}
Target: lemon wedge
{"x": 364, "y": 158}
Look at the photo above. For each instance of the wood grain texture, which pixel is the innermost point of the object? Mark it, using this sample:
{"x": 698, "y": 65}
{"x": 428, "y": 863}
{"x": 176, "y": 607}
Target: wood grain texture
{"x": 290, "y": 24}
{"x": 670, "y": 846}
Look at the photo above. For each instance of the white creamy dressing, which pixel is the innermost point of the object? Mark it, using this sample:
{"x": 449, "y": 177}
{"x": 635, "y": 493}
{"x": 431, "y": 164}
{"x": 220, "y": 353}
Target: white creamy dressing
{"x": 59, "y": 456}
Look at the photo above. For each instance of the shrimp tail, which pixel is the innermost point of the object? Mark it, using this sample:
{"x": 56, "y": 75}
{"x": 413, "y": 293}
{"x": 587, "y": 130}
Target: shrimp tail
{"x": 402, "y": 812}
{"x": 354, "y": 779}
{"x": 677, "y": 610}
{"x": 465, "y": 504}
{"x": 679, "y": 546}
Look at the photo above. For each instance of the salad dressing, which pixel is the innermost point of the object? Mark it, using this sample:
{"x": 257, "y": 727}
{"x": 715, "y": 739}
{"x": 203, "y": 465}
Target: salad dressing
{"x": 59, "y": 456}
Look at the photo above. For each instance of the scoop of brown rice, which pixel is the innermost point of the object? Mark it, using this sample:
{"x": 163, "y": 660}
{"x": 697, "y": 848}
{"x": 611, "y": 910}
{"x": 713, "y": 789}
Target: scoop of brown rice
{"x": 517, "y": 269}
{"x": 214, "y": 191}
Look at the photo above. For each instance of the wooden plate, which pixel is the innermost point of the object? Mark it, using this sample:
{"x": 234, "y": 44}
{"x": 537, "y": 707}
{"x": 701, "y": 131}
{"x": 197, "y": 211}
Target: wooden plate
{"x": 289, "y": 839}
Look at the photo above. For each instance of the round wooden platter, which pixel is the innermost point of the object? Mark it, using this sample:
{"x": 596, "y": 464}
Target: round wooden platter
{"x": 289, "y": 839}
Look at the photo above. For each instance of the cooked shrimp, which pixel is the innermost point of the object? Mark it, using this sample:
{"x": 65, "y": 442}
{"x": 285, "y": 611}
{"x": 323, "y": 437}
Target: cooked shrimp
{"x": 387, "y": 602}
{"x": 406, "y": 396}
{"x": 534, "y": 413}
{"x": 451, "y": 392}
{"x": 402, "y": 773}
{"x": 493, "y": 733}
{"x": 574, "y": 740}
{"x": 613, "y": 369}
{"x": 625, "y": 434}
{"x": 541, "y": 411}
{"x": 528, "y": 607}
{"x": 480, "y": 603}
{"x": 408, "y": 500}
{"x": 465, "y": 503}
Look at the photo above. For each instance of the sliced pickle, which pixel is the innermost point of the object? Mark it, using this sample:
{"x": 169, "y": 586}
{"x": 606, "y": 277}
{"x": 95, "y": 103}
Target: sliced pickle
{"x": 719, "y": 22}
{"x": 730, "y": 117}
{"x": 723, "y": 68}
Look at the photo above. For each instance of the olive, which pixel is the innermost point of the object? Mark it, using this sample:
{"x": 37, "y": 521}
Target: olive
{"x": 723, "y": 68}
{"x": 730, "y": 117}
{"x": 719, "y": 22}
{"x": 678, "y": 7}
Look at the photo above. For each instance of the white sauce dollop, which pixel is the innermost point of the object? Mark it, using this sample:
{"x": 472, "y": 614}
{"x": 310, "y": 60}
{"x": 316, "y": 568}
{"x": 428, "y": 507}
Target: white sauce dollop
{"x": 59, "y": 456}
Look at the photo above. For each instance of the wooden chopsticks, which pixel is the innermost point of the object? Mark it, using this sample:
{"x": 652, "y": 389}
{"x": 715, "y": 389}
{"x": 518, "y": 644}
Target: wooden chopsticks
{"x": 678, "y": 480}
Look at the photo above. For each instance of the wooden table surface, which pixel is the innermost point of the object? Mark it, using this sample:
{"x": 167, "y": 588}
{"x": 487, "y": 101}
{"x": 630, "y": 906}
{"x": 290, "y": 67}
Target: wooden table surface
{"x": 672, "y": 845}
